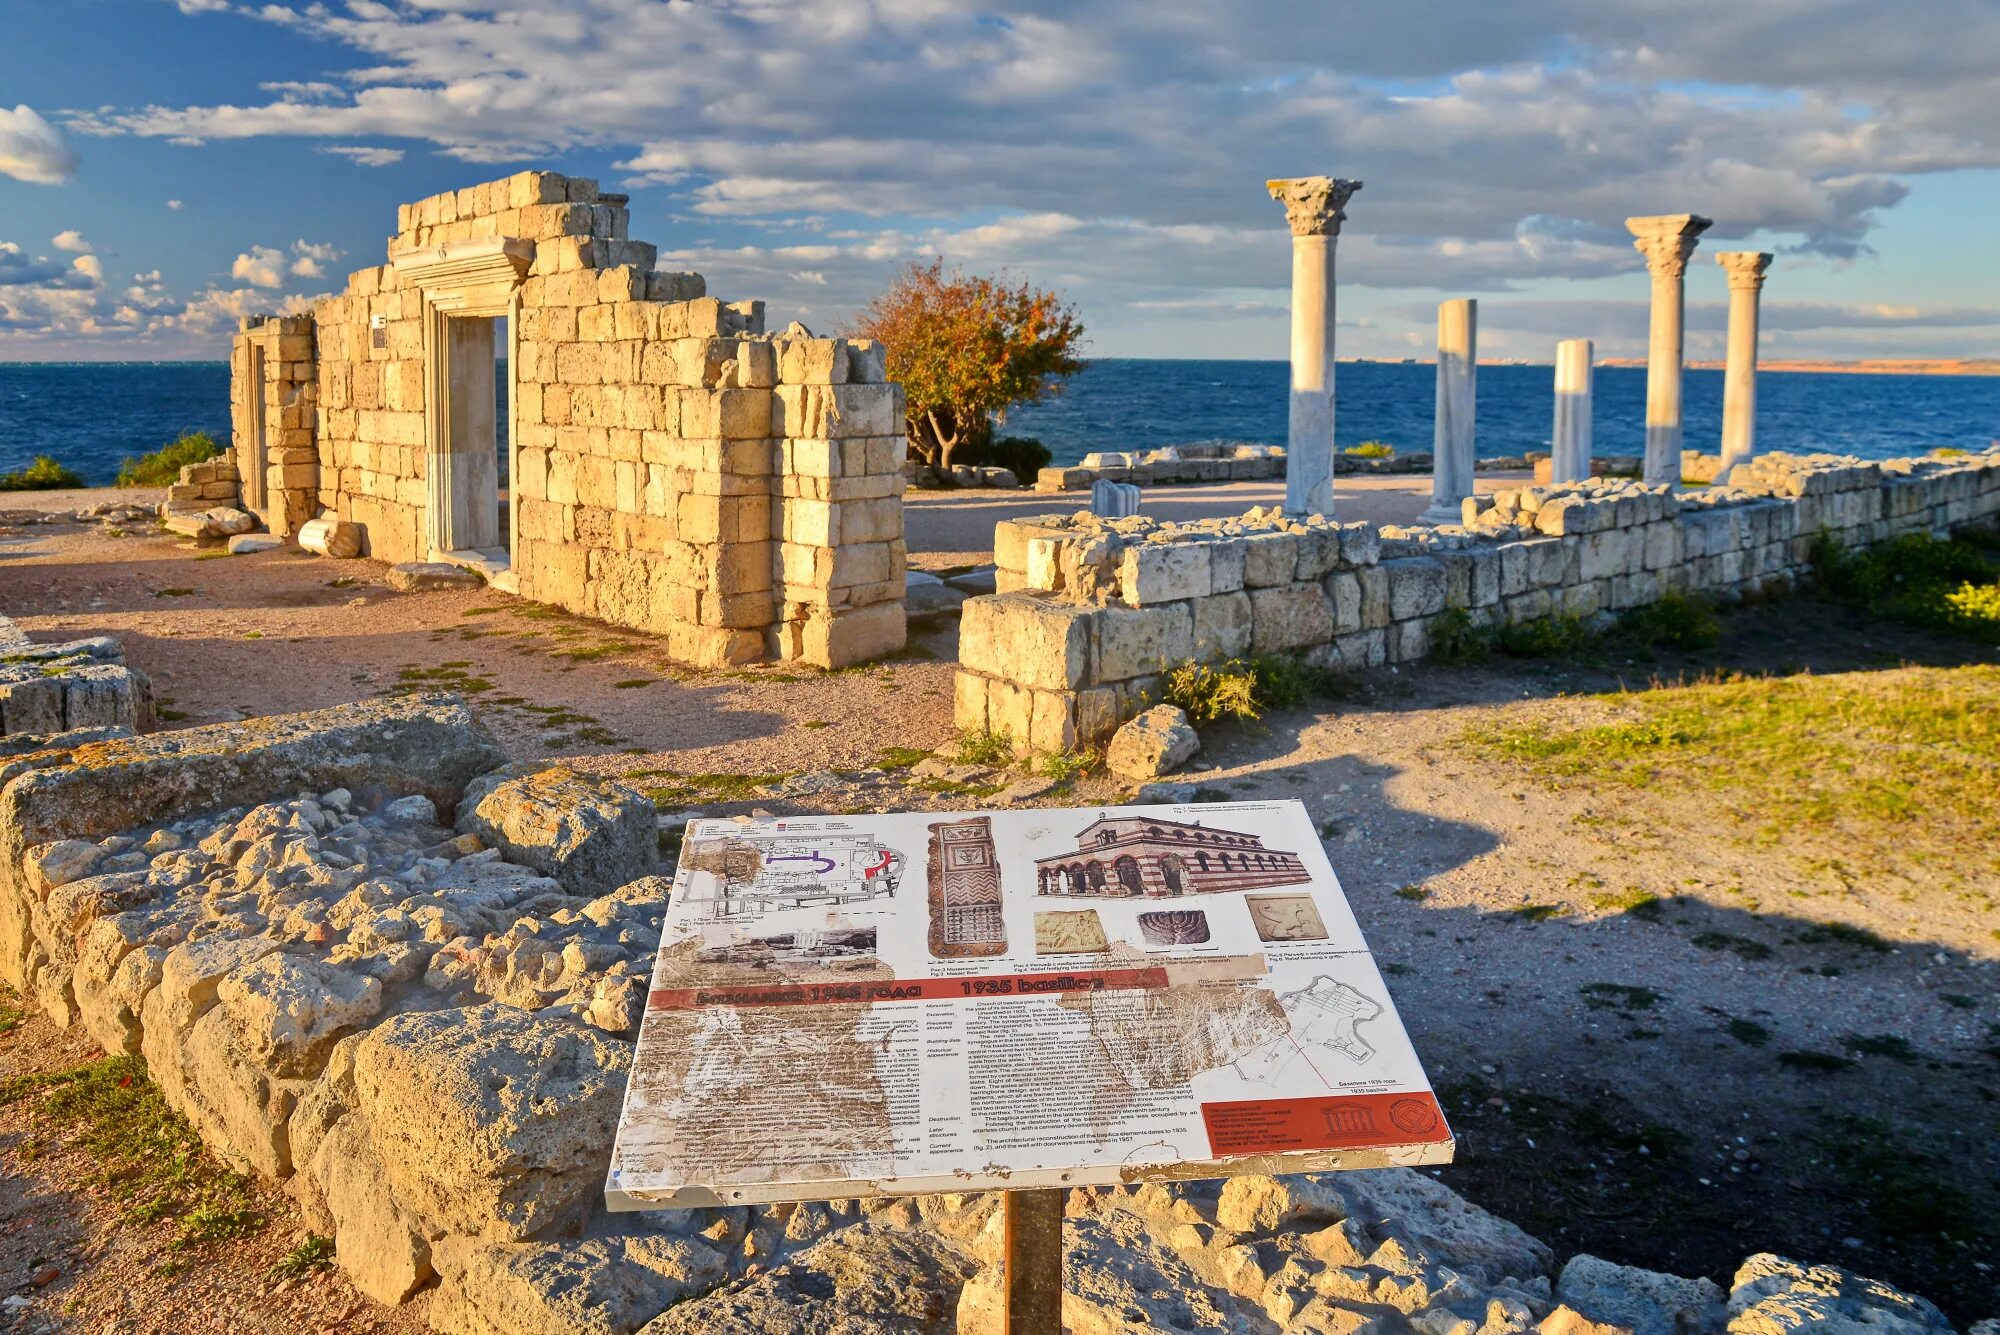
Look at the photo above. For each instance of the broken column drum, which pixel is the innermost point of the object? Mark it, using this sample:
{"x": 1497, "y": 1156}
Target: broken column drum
{"x": 1570, "y": 441}
{"x": 1666, "y": 241}
{"x": 1314, "y": 208}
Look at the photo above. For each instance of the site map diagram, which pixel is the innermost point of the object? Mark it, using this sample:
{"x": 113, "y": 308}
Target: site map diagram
{"x": 1045, "y": 997}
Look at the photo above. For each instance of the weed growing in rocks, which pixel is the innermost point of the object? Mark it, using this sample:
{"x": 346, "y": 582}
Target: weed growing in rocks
{"x": 984, "y": 748}
{"x": 311, "y": 1255}
{"x": 1950, "y": 585}
{"x": 1244, "y": 690}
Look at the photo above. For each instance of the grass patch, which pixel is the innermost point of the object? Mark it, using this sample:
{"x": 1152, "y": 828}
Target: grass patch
{"x": 901, "y": 757}
{"x": 1416, "y": 894}
{"x": 1742, "y": 946}
{"x": 43, "y": 473}
{"x": 1454, "y": 639}
{"x": 1903, "y": 764}
{"x": 632, "y": 683}
{"x": 147, "y": 1156}
{"x": 1893, "y": 1046}
{"x": 172, "y": 593}
{"x": 983, "y": 748}
{"x": 1641, "y": 904}
{"x": 1747, "y": 1032}
{"x": 162, "y": 468}
{"x": 1069, "y": 766}
{"x": 1950, "y": 585}
{"x": 309, "y": 1257}
{"x": 1674, "y": 621}
{"x": 1546, "y": 637}
{"x": 1244, "y": 690}
{"x": 1814, "y": 1063}
{"x": 686, "y": 790}
{"x": 444, "y": 677}
{"x": 1536, "y": 912}
{"x": 1840, "y": 934}
{"x": 1619, "y": 996}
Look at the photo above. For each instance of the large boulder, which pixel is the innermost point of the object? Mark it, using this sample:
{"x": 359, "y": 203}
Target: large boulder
{"x": 1627, "y": 1298}
{"x": 591, "y": 834}
{"x": 1157, "y": 742}
{"x": 600, "y": 1286}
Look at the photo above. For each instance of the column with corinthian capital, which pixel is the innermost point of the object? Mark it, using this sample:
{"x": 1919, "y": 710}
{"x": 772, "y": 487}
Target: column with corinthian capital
{"x": 1666, "y": 241}
{"x": 1739, "y": 377}
{"x": 1314, "y": 207}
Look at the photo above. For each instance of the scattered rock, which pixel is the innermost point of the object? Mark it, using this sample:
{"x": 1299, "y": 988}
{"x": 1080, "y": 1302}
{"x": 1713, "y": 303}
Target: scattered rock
{"x": 1163, "y": 794}
{"x": 248, "y": 544}
{"x": 416, "y": 576}
{"x": 1772, "y": 1295}
{"x": 1642, "y": 1302}
{"x": 925, "y": 595}
{"x": 863, "y": 1280}
{"x": 1025, "y": 790}
{"x": 1157, "y": 742}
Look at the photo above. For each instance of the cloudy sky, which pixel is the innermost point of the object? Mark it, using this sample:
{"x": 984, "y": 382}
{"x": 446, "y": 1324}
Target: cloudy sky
{"x": 168, "y": 164}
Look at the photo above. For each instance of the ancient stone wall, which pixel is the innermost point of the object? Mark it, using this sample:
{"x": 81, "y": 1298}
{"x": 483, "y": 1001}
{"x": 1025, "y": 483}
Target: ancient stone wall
{"x": 69, "y": 687}
{"x": 273, "y": 397}
{"x": 1091, "y": 613}
{"x": 673, "y": 468}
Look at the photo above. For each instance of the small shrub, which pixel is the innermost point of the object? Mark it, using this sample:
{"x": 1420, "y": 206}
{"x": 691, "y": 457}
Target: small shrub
{"x": 1023, "y": 456}
{"x": 1675, "y": 621}
{"x": 1950, "y": 585}
{"x": 162, "y": 468}
{"x": 315, "y": 1253}
{"x": 1211, "y": 694}
{"x": 1069, "y": 766}
{"x": 1454, "y": 639}
{"x": 1547, "y": 637}
{"x": 1371, "y": 449}
{"x": 43, "y": 473}
{"x": 984, "y": 748}
{"x": 901, "y": 757}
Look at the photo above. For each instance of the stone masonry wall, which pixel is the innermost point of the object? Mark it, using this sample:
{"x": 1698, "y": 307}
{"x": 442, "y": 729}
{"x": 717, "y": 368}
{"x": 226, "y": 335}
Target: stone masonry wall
{"x": 676, "y": 469}
{"x": 1091, "y": 613}
{"x": 289, "y": 393}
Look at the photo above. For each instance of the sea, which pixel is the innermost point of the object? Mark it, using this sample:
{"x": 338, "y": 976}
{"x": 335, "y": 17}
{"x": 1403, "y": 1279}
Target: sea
{"x": 92, "y": 415}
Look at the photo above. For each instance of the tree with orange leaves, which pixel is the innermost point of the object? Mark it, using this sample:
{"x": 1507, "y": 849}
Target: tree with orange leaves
{"x": 965, "y": 349}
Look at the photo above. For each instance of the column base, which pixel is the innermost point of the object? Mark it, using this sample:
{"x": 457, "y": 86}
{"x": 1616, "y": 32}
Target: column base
{"x": 1440, "y": 513}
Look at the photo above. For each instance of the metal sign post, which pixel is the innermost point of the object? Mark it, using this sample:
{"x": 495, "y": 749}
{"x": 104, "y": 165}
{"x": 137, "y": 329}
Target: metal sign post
{"x": 1032, "y": 1227}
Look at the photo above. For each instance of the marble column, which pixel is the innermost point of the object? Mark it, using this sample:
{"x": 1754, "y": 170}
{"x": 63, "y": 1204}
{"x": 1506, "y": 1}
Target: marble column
{"x": 1569, "y": 444}
{"x": 1739, "y": 377}
{"x": 1313, "y": 207}
{"x": 1666, "y": 241}
{"x": 1452, "y": 438}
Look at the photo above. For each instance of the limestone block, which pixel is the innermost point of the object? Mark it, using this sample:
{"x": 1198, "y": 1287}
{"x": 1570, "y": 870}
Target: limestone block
{"x": 1409, "y": 641}
{"x": 1133, "y": 642}
{"x": 1222, "y": 626}
{"x": 1772, "y": 1295}
{"x": 1360, "y": 544}
{"x": 1269, "y": 559}
{"x": 1318, "y": 552}
{"x": 590, "y": 833}
{"x": 813, "y": 361}
{"x": 417, "y": 576}
{"x": 1662, "y": 546}
{"x": 968, "y": 702}
{"x": 249, "y": 544}
{"x": 1343, "y": 590}
{"x": 1601, "y": 555}
{"x": 1035, "y": 641}
{"x": 1052, "y": 722}
{"x": 1291, "y": 616}
{"x": 599, "y": 1286}
{"x": 867, "y": 361}
{"x": 1416, "y": 587}
{"x": 287, "y": 1011}
{"x": 1163, "y": 572}
{"x": 1157, "y": 742}
{"x": 1374, "y": 582}
{"x": 1097, "y": 714}
{"x": 840, "y": 639}
{"x": 1483, "y": 575}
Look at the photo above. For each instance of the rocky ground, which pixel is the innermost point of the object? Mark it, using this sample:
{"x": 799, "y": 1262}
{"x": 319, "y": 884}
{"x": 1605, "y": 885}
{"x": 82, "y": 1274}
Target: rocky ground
{"x": 1681, "y": 1012}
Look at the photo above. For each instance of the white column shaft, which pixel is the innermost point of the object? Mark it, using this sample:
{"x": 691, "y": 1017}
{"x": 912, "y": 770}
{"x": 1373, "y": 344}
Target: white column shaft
{"x": 1739, "y": 378}
{"x": 1663, "y": 380}
{"x": 1453, "y": 438}
{"x": 1570, "y": 442}
{"x": 1309, "y": 439}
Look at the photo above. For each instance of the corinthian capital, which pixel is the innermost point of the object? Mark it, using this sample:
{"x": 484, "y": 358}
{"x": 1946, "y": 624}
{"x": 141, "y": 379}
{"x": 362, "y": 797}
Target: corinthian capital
{"x": 1667, "y": 239}
{"x": 1745, "y": 268}
{"x": 1314, "y": 204}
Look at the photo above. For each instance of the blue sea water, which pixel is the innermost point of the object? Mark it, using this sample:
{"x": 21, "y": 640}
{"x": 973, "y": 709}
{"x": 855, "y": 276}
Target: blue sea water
{"x": 92, "y": 415}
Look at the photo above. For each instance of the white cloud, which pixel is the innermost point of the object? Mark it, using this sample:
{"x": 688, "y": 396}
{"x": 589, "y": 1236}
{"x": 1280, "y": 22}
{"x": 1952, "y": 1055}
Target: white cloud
{"x": 71, "y": 240}
{"x": 90, "y": 267}
{"x": 33, "y": 150}
{"x": 311, "y": 257}
{"x": 366, "y": 156}
{"x": 174, "y": 204}
{"x": 202, "y": 6}
{"x": 261, "y": 266}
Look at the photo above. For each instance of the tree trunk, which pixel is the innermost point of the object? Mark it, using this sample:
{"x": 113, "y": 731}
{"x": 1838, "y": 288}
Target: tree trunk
{"x": 946, "y": 444}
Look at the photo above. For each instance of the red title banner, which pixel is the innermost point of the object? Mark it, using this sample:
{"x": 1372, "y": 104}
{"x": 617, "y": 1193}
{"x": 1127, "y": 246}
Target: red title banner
{"x": 877, "y": 991}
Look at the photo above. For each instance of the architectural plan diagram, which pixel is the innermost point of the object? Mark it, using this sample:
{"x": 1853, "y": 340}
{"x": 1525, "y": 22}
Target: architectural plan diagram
{"x": 1077, "y": 998}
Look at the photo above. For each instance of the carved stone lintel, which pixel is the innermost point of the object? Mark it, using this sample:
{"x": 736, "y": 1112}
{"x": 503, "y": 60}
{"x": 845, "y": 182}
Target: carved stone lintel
{"x": 1745, "y": 268}
{"x": 1314, "y": 205}
{"x": 1667, "y": 240}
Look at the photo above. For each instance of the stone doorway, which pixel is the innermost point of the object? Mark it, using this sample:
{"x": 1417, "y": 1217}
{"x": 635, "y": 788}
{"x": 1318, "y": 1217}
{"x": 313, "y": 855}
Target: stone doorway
{"x": 470, "y": 524}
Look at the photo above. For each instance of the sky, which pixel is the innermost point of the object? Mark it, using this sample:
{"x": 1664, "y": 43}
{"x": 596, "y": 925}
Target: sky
{"x": 167, "y": 166}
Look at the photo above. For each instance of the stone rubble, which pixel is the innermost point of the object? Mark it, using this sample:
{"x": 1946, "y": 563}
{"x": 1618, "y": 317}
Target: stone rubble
{"x": 365, "y": 958}
{"x": 1157, "y": 742}
{"x": 47, "y": 690}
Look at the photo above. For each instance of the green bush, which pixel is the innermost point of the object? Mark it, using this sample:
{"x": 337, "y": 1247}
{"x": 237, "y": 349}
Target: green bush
{"x": 42, "y": 474}
{"x": 1454, "y": 639}
{"x": 162, "y": 468}
{"x": 1371, "y": 449}
{"x": 1950, "y": 584}
{"x": 984, "y": 748}
{"x": 1547, "y": 637}
{"x": 1676, "y": 621}
{"x": 1023, "y": 456}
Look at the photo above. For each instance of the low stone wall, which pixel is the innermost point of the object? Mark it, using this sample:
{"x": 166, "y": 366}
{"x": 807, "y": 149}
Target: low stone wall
{"x": 204, "y": 486}
{"x": 1090, "y": 613}
{"x": 50, "y": 689}
{"x": 1177, "y": 463}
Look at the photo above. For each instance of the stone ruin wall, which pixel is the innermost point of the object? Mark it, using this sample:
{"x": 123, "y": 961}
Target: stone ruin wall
{"x": 275, "y": 470}
{"x": 79, "y": 687}
{"x": 675, "y": 469}
{"x": 1090, "y": 614}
